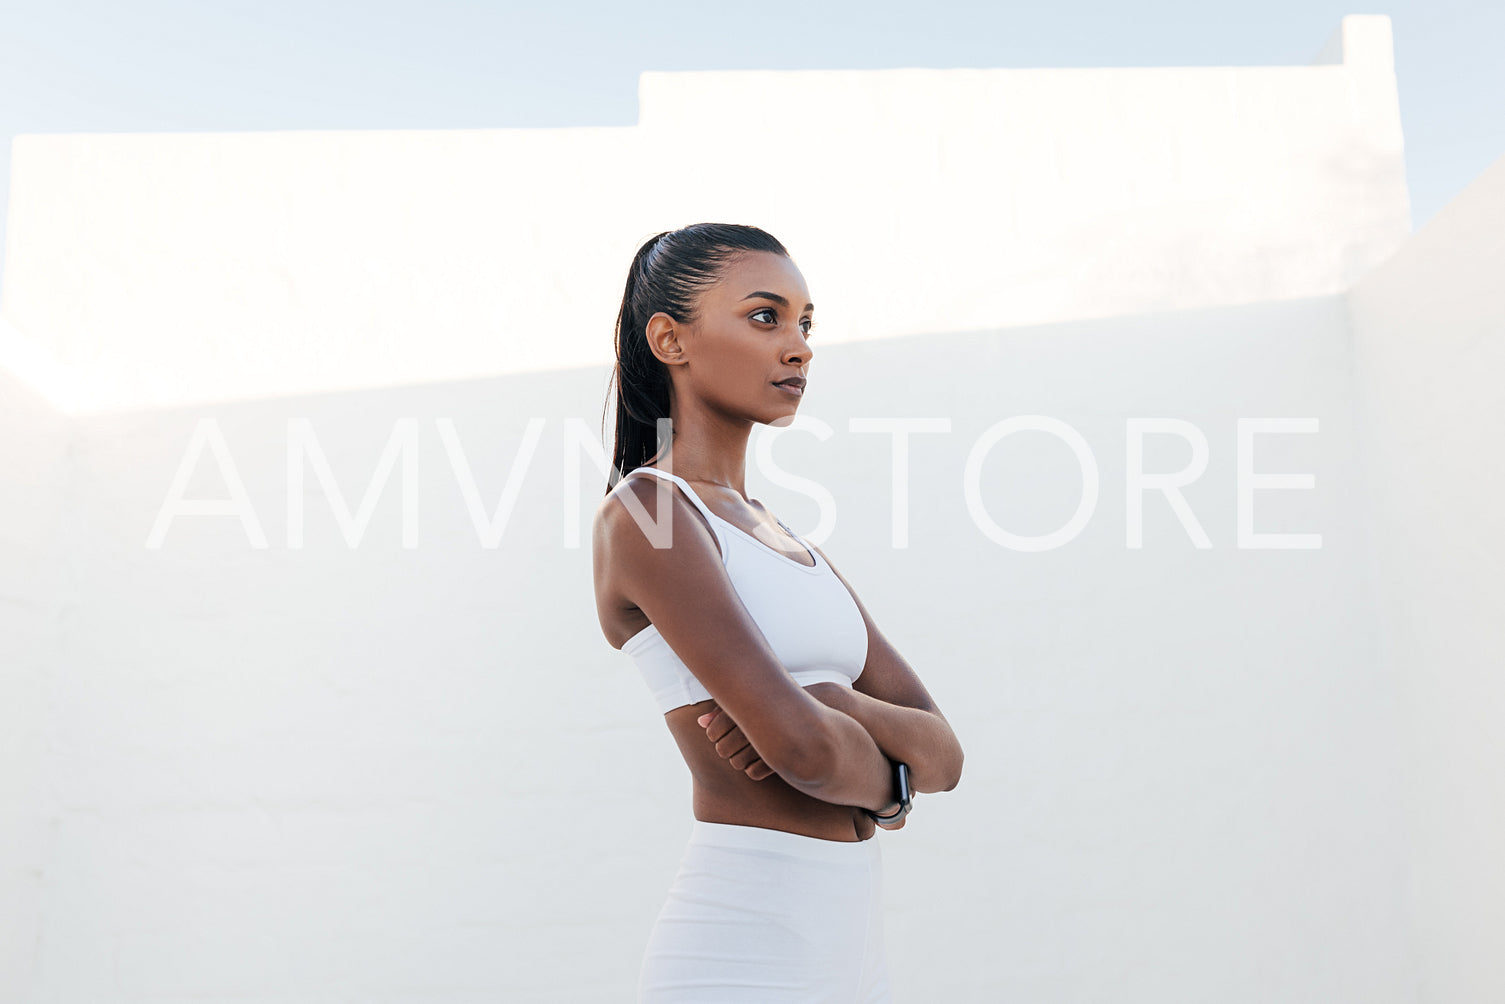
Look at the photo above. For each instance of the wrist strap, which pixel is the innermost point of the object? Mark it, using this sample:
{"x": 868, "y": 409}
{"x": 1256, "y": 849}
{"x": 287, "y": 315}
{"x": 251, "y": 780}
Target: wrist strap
{"x": 901, "y": 782}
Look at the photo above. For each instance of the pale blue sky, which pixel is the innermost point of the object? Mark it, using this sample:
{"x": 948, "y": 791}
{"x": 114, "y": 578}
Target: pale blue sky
{"x": 177, "y": 65}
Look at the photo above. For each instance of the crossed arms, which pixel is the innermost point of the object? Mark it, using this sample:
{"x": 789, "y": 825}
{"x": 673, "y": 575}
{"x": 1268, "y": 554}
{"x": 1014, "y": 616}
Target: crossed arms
{"x": 888, "y": 701}
{"x": 827, "y": 741}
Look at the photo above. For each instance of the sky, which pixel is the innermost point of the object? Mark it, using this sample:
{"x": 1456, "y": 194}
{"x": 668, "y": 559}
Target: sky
{"x": 206, "y": 66}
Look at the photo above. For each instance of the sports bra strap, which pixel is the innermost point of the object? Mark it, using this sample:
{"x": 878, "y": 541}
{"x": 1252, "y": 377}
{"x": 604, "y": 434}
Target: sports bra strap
{"x": 710, "y": 517}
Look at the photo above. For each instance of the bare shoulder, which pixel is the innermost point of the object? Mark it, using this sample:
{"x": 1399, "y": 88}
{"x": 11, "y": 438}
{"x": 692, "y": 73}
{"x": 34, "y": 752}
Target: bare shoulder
{"x": 631, "y": 511}
{"x": 634, "y": 514}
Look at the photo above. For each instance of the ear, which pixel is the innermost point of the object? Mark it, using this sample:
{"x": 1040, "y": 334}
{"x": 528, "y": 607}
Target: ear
{"x": 663, "y": 333}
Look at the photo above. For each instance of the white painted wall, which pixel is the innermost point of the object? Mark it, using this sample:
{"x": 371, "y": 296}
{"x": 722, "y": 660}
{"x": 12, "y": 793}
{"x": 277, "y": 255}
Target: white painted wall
{"x": 184, "y": 268}
{"x": 392, "y": 774}
{"x": 420, "y": 775}
{"x": 35, "y": 610}
{"x": 1430, "y": 354}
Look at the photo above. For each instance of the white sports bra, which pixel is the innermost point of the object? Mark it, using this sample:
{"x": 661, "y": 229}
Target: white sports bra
{"x": 809, "y": 618}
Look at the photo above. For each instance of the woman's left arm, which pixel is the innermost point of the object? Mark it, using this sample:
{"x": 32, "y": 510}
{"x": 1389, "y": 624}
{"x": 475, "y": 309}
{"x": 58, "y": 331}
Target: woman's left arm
{"x": 889, "y": 701}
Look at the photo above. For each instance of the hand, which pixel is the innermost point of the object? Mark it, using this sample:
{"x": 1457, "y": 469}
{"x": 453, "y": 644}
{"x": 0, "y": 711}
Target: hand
{"x": 902, "y": 819}
{"x": 732, "y": 745}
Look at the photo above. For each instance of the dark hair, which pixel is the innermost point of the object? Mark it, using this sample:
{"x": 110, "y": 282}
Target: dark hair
{"x": 667, "y": 274}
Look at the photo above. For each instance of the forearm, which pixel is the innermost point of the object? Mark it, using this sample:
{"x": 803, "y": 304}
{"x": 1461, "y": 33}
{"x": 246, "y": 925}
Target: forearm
{"x": 851, "y": 769}
{"x": 919, "y": 738}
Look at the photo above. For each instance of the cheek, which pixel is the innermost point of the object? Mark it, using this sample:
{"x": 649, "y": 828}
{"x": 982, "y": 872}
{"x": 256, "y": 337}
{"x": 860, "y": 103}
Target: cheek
{"x": 735, "y": 362}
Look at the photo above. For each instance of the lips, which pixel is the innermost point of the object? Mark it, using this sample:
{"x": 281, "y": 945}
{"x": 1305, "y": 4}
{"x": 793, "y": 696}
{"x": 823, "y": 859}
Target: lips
{"x": 792, "y": 382}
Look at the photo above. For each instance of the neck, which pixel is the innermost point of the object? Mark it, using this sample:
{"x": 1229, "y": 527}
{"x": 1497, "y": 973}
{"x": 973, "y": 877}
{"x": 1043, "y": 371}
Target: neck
{"x": 707, "y": 449}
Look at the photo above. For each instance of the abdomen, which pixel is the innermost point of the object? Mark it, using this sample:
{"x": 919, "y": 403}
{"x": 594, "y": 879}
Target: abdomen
{"x": 724, "y": 794}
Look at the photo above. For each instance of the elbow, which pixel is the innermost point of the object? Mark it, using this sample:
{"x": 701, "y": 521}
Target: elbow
{"x": 952, "y": 775}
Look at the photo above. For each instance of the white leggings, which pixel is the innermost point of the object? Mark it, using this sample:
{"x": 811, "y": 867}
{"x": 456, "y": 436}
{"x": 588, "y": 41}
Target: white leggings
{"x": 760, "y": 916}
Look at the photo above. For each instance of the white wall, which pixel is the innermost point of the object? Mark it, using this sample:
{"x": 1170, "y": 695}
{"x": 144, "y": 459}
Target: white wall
{"x": 420, "y": 774}
{"x": 35, "y": 611}
{"x": 1430, "y": 353}
{"x": 181, "y": 268}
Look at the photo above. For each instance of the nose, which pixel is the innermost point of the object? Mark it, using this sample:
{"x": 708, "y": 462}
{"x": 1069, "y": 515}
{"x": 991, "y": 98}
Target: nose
{"x": 800, "y": 352}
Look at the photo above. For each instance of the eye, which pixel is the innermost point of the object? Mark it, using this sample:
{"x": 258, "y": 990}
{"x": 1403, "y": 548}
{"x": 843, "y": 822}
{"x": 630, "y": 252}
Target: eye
{"x": 773, "y": 318}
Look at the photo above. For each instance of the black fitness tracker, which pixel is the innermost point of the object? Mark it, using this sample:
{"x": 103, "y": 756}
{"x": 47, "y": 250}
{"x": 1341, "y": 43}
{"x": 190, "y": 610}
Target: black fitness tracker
{"x": 901, "y": 781}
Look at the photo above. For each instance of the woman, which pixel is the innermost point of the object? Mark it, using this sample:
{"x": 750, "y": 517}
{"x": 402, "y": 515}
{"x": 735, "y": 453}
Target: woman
{"x": 790, "y": 707}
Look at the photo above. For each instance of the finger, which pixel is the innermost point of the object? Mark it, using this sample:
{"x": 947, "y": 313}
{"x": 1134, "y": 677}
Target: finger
{"x": 744, "y": 758}
{"x": 726, "y": 752}
{"x": 732, "y": 743}
{"x": 759, "y": 770}
{"x": 718, "y": 726}
{"x": 704, "y": 720}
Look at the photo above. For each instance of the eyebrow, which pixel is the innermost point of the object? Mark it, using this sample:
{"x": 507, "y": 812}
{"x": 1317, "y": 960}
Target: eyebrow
{"x": 776, "y": 298}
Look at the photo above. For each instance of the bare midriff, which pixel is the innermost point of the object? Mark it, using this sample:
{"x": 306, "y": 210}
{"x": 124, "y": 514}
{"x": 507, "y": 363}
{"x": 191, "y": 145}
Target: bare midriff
{"x": 724, "y": 794}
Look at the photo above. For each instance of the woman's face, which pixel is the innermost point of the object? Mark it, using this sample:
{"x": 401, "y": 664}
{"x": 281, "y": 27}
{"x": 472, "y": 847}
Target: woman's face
{"x": 750, "y": 333}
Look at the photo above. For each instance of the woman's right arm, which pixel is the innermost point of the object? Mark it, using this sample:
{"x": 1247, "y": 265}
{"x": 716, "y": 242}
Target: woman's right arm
{"x": 685, "y": 592}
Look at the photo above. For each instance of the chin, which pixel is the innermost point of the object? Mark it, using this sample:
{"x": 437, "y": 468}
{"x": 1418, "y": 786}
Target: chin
{"x": 780, "y": 421}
